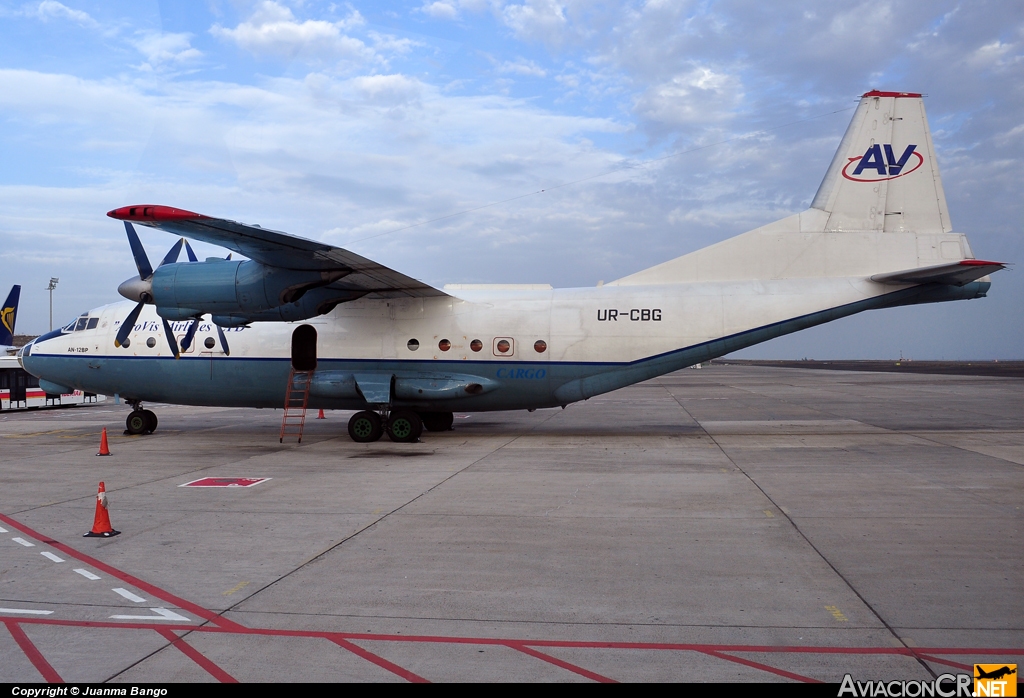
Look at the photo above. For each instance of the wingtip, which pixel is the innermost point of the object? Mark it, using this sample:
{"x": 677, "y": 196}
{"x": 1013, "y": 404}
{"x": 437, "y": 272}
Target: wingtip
{"x": 149, "y": 212}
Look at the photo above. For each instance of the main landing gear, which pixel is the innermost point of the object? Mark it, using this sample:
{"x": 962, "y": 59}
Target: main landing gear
{"x": 140, "y": 421}
{"x": 402, "y": 426}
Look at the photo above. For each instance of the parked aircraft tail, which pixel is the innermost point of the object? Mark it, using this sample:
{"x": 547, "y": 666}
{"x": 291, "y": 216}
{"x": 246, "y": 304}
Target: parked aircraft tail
{"x": 8, "y": 314}
{"x": 884, "y": 176}
{"x": 880, "y": 210}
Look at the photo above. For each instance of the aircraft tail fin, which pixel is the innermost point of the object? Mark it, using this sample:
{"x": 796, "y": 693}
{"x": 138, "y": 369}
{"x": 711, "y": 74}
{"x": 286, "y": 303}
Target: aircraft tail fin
{"x": 8, "y": 314}
{"x": 868, "y": 187}
{"x": 880, "y": 210}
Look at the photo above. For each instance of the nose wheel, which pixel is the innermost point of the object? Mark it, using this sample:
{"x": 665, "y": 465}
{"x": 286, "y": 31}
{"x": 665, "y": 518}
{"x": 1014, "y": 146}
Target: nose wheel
{"x": 140, "y": 421}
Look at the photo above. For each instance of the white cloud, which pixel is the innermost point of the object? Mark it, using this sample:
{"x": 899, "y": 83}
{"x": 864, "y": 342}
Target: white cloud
{"x": 440, "y": 10}
{"x": 165, "y": 48}
{"x": 51, "y": 9}
{"x": 273, "y": 30}
{"x": 387, "y": 89}
{"x": 993, "y": 55}
{"x": 522, "y": 66}
{"x": 703, "y": 95}
{"x": 536, "y": 20}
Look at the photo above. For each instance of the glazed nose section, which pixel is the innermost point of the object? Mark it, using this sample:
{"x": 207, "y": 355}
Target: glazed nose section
{"x": 137, "y": 289}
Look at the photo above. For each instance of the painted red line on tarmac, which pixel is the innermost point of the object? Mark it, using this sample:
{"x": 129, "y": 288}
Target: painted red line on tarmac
{"x": 237, "y": 629}
{"x": 947, "y": 662}
{"x": 762, "y": 667}
{"x": 124, "y": 577}
{"x": 197, "y": 656}
{"x": 559, "y": 663}
{"x": 33, "y": 653}
{"x": 378, "y": 660}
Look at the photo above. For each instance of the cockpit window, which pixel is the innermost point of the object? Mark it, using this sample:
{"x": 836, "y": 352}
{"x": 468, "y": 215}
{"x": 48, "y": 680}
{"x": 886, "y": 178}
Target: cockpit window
{"x": 82, "y": 321}
{"x": 93, "y": 321}
{"x": 70, "y": 327}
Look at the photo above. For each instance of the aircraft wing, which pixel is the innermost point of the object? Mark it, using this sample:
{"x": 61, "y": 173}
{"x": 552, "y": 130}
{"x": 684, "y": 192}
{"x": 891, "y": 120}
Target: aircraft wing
{"x": 952, "y": 274}
{"x": 278, "y": 249}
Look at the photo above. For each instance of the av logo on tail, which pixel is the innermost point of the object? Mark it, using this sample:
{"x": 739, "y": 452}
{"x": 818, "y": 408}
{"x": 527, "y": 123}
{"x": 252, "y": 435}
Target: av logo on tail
{"x": 873, "y": 166}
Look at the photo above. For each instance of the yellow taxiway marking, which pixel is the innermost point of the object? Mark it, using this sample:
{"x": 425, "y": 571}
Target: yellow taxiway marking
{"x": 836, "y": 613}
{"x": 30, "y": 434}
{"x": 238, "y": 587}
{"x": 769, "y": 514}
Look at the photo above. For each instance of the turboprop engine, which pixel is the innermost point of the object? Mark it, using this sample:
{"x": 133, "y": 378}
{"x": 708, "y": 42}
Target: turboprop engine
{"x": 234, "y": 292}
{"x": 236, "y": 288}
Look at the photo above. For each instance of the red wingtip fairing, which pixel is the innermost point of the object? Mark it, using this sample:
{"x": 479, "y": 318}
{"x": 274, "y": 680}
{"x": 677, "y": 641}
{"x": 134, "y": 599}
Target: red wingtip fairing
{"x": 147, "y": 212}
{"x": 880, "y": 93}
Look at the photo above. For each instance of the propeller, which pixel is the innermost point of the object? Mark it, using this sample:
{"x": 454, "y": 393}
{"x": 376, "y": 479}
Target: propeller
{"x": 190, "y": 333}
{"x": 223, "y": 339}
{"x": 140, "y": 288}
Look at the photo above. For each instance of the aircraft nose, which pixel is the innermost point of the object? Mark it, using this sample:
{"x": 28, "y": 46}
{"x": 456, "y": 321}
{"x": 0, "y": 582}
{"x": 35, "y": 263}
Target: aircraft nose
{"x": 136, "y": 289}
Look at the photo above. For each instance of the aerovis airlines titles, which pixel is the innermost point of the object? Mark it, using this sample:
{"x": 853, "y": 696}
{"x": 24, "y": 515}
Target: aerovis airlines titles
{"x": 326, "y": 328}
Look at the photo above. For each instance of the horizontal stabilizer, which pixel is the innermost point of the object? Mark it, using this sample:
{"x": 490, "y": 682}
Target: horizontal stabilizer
{"x": 954, "y": 274}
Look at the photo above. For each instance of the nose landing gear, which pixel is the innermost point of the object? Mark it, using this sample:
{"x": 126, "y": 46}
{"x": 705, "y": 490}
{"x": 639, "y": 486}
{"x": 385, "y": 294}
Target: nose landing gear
{"x": 140, "y": 421}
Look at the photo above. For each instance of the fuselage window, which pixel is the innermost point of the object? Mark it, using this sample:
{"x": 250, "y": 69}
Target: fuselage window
{"x": 444, "y": 345}
{"x": 540, "y": 346}
{"x": 476, "y": 345}
{"x": 413, "y": 344}
{"x": 151, "y": 342}
{"x": 209, "y": 343}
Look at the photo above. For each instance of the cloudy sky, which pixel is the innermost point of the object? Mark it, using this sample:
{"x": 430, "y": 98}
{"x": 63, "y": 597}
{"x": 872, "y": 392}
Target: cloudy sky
{"x": 654, "y": 128}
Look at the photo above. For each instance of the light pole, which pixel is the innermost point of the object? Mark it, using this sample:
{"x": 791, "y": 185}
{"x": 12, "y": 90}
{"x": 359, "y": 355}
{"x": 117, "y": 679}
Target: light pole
{"x": 53, "y": 285}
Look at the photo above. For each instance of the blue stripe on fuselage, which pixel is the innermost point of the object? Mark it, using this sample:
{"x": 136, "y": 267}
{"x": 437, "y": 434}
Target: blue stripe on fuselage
{"x": 260, "y": 382}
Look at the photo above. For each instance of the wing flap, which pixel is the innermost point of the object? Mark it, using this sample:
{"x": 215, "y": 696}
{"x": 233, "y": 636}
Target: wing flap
{"x": 277, "y": 249}
{"x": 953, "y": 274}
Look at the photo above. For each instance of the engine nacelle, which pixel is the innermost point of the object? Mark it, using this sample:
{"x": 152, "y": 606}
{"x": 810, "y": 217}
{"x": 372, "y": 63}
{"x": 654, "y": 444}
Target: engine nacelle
{"x": 245, "y": 291}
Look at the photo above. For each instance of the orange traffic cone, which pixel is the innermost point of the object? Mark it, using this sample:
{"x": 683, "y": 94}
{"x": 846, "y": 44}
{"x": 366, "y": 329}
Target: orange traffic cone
{"x": 101, "y": 527}
{"x": 321, "y": 415}
{"x": 104, "y": 449}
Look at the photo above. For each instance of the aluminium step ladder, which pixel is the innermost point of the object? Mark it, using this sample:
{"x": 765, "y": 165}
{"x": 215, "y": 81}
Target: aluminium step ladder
{"x": 296, "y": 398}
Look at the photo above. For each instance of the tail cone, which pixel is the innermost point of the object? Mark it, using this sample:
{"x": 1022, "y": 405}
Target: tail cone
{"x": 101, "y": 527}
{"x": 104, "y": 449}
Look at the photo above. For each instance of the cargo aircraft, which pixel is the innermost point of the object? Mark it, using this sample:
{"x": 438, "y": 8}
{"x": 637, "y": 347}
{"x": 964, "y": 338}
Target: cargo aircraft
{"x": 356, "y": 335}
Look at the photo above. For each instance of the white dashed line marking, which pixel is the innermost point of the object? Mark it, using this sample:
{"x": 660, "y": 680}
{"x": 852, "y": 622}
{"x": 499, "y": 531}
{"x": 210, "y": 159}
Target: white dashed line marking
{"x": 51, "y": 556}
{"x": 25, "y": 610}
{"x": 3, "y": 530}
{"x": 87, "y": 574}
{"x": 164, "y": 614}
{"x": 129, "y": 595}
{"x": 22, "y": 541}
